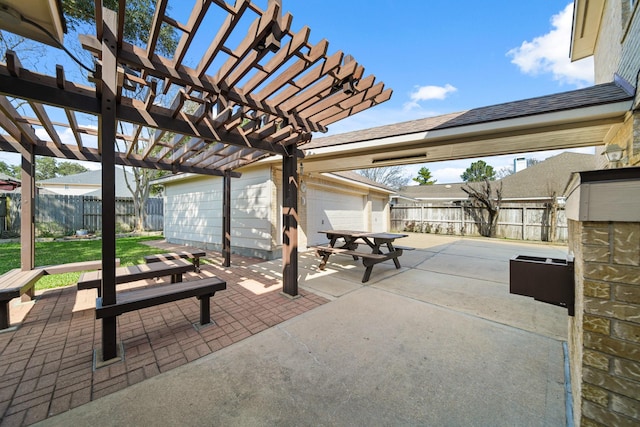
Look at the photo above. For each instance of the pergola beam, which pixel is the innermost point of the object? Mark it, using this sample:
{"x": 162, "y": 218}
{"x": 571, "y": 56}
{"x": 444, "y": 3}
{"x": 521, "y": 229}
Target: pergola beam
{"x": 9, "y": 144}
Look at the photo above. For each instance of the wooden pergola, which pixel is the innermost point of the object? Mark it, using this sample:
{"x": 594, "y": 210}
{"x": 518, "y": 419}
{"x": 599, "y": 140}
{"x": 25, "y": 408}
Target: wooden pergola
{"x": 241, "y": 102}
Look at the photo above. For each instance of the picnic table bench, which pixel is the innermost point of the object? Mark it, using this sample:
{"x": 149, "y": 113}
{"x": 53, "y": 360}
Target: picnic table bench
{"x": 193, "y": 255}
{"x": 174, "y": 268}
{"x": 203, "y": 289}
{"x": 352, "y": 240}
{"x": 13, "y": 284}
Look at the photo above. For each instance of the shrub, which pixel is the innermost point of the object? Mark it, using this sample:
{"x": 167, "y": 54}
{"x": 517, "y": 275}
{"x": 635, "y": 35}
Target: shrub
{"x": 49, "y": 229}
{"x": 122, "y": 227}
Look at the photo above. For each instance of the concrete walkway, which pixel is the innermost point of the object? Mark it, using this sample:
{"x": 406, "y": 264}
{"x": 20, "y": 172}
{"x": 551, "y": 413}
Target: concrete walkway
{"x": 438, "y": 342}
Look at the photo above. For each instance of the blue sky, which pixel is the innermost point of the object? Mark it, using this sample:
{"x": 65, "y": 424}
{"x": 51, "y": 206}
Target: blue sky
{"x": 439, "y": 59}
{"x": 438, "y": 56}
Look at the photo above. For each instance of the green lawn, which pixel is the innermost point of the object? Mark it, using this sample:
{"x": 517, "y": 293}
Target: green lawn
{"x": 128, "y": 249}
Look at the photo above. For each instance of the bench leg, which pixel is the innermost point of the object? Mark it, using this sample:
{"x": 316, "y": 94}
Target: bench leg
{"x": 325, "y": 258}
{"x": 29, "y": 294}
{"x": 176, "y": 278}
{"x": 205, "y": 309}
{"x": 396, "y": 261}
{"x": 4, "y": 314}
{"x": 367, "y": 274}
{"x": 196, "y": 264}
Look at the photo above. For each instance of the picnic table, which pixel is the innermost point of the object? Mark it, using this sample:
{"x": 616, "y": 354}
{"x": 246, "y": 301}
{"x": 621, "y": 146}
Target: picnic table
{"x": 347, "y": 242}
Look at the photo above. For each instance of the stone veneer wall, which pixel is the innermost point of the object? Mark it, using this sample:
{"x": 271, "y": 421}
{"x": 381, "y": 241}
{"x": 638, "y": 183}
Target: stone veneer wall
{"x": 605, "y": 333}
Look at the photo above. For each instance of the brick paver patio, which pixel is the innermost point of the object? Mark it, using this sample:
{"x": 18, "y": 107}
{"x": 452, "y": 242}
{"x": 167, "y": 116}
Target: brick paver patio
{"x": 46, "y": 365}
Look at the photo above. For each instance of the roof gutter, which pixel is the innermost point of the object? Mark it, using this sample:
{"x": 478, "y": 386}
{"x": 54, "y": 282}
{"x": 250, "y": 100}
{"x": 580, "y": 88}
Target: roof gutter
{"x": 357, "y": 183}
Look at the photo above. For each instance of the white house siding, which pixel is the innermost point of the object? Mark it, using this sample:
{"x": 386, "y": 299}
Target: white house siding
{"x": 379, "y": 214}
{"x": 193, "y": 212}
{"x": 329, "y": 208}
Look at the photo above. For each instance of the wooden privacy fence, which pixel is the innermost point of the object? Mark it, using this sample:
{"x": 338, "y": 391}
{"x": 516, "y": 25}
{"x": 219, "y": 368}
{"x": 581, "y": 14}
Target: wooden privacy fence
{"x": 62, "y": 214}
{"x": 515, "y": 221}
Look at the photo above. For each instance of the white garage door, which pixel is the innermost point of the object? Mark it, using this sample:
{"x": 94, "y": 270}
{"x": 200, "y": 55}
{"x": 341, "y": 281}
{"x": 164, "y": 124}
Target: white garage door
{"x": 327, "y": 210}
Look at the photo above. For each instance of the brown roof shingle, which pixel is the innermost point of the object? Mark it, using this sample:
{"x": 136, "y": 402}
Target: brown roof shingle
{"x": 580, "y": 98}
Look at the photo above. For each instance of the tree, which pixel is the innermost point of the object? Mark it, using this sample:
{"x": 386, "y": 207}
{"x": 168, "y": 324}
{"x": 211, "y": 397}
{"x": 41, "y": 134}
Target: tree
{"x": 137, "y": 21}
{"x": 478, "y": 171}
{"x": 391, "y": 176}
{"x": 532, "y": 161}
{"x": 10, "y": 170}
{"x": 484, "y": 206}
{"x": 69, "y": 168}
{"x": 424, "y": 177}
{"x": 504, "y": 172}
{"x": 46, "y": 168}
{"x": 140, "y": 190}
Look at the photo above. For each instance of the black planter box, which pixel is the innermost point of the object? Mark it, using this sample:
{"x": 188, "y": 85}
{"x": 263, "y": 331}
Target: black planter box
{"x": 548, "y": 280}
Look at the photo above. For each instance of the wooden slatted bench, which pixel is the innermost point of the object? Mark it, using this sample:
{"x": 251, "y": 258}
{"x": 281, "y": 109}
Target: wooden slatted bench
{"x": 404, "y": 248}
{"x": 368, "y": 259}
{"x": 74, "y": 267}
{"x": 193, "y": 255}
{"x": 203, "y": 289}
{"x": 13, "y": 284}
{"x": 175, "y": 269}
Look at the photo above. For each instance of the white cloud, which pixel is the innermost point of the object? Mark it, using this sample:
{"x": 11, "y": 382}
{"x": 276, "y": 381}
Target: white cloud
{"x": 549, "y": 53}
{"x": 427, "y": 93}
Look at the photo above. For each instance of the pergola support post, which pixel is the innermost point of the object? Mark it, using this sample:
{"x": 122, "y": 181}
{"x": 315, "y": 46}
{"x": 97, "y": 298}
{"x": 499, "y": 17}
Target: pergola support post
{"x": 27, "y": 208}
{"x": 106, "y": 143}
{"x": 290, "y": 224}
{"x": 226, "y": 219}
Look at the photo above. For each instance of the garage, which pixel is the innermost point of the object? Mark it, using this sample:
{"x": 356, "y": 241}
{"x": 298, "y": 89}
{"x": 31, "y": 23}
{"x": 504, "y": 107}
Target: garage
{"x": 333, "y": 210}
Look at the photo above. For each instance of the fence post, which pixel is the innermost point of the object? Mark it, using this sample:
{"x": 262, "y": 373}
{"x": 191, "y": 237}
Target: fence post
{"x": 524, "y": 222}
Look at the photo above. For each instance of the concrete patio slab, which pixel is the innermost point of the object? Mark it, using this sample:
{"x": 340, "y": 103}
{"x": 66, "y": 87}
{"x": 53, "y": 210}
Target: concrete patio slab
{"x": 413, "y": 346}
{"x": 481, "y": 298}
{"x": 501, "y": 249}
{"x": 475, "y": 267}
{"x": 368, "y": 358}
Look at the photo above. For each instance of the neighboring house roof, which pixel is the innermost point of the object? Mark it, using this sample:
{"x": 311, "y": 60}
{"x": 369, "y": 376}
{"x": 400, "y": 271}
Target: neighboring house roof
{"x": 8, "y": 183}
{"x": 353, "y": 176}
{"x": 547, "y": 177}
{"x": 92, "y": 178}
{"x": 539, "y": 181}
{"x": 591, "y": 96}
